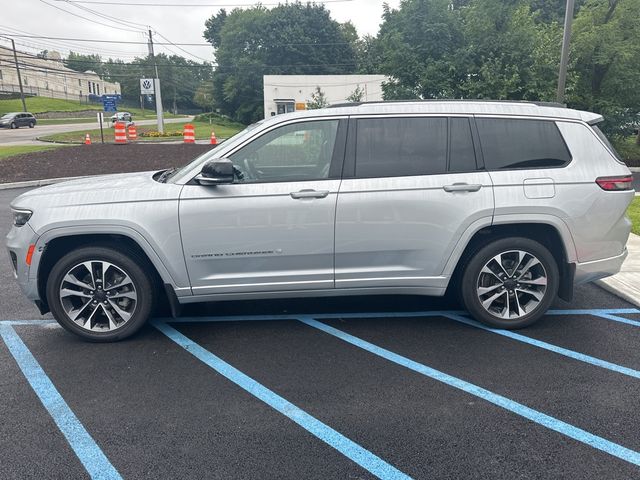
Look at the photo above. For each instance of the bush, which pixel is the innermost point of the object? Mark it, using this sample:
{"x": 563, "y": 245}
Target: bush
{"x": 155, "y": 134}
{"x": 216, "y": 118}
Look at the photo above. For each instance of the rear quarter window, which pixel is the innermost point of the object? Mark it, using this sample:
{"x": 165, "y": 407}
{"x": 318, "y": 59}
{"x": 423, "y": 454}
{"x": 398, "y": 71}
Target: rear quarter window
{"x": 510, "y": 144}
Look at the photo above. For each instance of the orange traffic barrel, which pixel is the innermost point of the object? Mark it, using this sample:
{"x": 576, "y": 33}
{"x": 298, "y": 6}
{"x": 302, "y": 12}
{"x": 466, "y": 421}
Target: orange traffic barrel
{"x": 133, "y": 132}
{"x": 214, "y": 140}
{"x": 87, "y": 139}
{"x": 120, "y": 132}
{"x": 189, "y": 134}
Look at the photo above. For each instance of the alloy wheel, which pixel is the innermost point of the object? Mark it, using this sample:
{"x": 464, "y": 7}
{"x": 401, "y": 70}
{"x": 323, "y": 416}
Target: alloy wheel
{"x": 512, "y": 284}
{"x": 98, "y": 296}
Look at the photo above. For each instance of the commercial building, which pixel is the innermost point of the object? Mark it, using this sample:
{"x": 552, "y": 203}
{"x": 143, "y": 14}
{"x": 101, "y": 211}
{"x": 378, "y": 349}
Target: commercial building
{"x": 48, "y": 77}
{"x": 287, "y": 93}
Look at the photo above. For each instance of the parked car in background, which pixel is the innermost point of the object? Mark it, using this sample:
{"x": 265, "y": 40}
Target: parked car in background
{"x": 17, "y": 120}
{"x": 125, "y": 117}
{"x": 508, "y": 204}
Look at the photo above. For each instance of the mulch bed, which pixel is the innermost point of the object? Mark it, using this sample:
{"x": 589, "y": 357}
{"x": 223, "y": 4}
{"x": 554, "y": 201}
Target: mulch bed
{"x": 96, "y": 159}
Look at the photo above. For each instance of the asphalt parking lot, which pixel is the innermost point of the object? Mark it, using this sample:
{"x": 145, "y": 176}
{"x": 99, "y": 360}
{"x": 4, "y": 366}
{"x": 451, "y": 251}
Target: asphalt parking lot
{"x": 389, "y": 387}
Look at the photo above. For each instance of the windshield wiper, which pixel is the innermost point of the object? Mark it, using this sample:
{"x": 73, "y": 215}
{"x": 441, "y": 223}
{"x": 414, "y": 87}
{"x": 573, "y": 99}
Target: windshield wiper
{"x": 166, "y": 174}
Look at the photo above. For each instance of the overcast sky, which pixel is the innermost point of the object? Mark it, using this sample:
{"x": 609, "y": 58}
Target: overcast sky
{"x": 178, "y": 24}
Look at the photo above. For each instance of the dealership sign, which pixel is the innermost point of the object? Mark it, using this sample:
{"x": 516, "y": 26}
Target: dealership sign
{"x": 146, "y": 86}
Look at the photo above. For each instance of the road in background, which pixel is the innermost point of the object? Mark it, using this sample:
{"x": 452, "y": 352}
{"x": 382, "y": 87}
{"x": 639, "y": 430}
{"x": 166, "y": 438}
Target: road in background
{"x": 28, "y": 136}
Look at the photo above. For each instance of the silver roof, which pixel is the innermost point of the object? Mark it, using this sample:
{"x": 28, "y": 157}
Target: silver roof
{"x": 447, "y": 107}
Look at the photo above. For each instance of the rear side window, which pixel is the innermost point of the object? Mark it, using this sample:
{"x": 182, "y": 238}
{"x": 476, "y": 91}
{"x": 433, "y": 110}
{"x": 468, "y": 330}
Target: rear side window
{"x": 606, "y": 141}
{"x": 513, "y": 144}
{"x": 395, "y": 147}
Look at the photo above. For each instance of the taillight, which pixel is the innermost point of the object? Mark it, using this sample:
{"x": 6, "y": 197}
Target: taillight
{"x": 613, "y": 184}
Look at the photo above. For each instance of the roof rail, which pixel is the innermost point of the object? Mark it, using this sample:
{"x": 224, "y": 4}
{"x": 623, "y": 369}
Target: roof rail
{"x": 470, "y": 100}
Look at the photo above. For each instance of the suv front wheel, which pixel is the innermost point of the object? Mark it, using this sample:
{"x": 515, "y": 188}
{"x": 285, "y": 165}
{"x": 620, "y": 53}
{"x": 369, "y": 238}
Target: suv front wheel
{"x": 510, "y": 283}
{"x": 100, "y": 294}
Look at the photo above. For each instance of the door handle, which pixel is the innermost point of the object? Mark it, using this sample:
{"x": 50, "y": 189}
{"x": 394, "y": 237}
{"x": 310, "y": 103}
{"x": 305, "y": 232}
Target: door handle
{"x": 309, "y": 194}
{"x": 462, "y": 187}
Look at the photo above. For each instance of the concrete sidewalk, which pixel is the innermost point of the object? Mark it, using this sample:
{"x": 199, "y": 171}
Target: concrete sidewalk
{"x": 626, "y": 284}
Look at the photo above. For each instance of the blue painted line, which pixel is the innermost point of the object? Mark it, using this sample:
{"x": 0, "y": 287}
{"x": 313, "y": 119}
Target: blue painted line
{"x": 594, "y": 311}
{"x": 615, "y": 318}
{"x": 550, "y": 347}
{"x": 540, "y": 418}
{"x": 27, "y": 322}
{"x": 342, "y": 444}
{"x": 88, "y": 452}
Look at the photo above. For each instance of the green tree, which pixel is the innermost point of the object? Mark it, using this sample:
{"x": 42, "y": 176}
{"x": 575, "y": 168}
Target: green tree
{"x": 292, "y": 39}
{"x": 356, "y": 95}
{"x": 506, "y": 54}
{"x": 82, "y": 63}
{"x": 417, "y": 44}
{"x": 318, "y": 100}
{"x": 604, "y": 69}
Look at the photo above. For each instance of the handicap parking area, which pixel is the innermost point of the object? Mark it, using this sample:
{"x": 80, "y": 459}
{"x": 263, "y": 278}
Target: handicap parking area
{"x": 380, "y": 387}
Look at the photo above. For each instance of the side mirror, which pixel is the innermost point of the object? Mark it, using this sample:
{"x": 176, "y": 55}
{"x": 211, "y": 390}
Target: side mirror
{"x": 218, "y": 171}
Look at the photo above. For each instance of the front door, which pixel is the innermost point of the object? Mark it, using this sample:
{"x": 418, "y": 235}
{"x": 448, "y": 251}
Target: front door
{"x": 273, "y": 228}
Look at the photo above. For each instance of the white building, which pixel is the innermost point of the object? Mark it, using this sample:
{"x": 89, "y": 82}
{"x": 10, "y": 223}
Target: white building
{"x": 48, "y": 77}
{"x": 287, "y": 93}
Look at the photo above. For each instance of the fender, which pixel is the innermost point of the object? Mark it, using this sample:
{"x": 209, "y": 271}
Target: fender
{"x": 551, "y": 220}
{"x": 180, "y": 285}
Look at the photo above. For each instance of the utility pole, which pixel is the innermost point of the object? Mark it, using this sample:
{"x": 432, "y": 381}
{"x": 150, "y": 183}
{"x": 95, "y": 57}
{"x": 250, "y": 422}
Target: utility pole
{"x": 156, "y": 87}
{"x": 15, "y": 58}
{"x": 564, "y": 57}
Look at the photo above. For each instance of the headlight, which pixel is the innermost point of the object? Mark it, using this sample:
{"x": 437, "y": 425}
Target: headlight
{"x": 21, "y": 217}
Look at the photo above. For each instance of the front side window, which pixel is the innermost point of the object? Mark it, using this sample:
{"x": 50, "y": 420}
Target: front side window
{"x": 295, "y": 152}
{"x": 517, "y": 144}
{"x": 396, "y": 147}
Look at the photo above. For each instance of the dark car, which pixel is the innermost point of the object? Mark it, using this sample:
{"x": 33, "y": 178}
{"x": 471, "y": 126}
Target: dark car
{"x": 17, "y": 120}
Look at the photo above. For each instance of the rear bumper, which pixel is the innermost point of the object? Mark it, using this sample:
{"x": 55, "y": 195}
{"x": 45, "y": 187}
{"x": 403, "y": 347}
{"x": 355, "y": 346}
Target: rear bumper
{"x": 596, "y": 269}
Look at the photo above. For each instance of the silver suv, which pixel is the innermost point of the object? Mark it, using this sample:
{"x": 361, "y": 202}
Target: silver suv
{"x": 508, "y": 203}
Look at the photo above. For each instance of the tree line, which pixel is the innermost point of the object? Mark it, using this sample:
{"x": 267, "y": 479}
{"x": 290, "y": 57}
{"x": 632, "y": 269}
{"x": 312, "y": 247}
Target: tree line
{"x": 436, "y": 49}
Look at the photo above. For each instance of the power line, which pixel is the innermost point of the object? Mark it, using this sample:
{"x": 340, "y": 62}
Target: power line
{"x": 131, "y": 4}
{"x": 321, "y": 44}
{"x": 180, "y": 48}
{"x": 126, "y": 23}
{"x": 88, "y": 19}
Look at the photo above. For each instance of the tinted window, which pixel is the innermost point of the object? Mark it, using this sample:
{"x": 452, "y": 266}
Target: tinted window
{"x": 395, "y": 147}
{"x": 295, "y": 152}
{"x": 512, "y": 144}
{"x": 606, "y": 141}
{"x": 462, "y": 156}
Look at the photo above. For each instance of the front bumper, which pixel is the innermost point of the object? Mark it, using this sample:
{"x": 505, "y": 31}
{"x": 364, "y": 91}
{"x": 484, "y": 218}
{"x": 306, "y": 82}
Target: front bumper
{"x": 18, "y": 241}
{"x": 596, "y": 269}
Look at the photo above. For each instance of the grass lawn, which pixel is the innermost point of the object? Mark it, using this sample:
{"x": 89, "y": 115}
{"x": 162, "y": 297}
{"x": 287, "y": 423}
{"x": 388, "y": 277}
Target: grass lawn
{"x": 6, "y": 152}
{"x": 203, "y": 131}
{"x": 634, "y": 214}
{"x": 37, "y": 105}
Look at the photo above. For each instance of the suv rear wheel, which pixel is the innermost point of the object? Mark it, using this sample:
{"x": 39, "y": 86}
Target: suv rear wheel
{"x": 510, "y": 283}
{"x": 100, "y": 294}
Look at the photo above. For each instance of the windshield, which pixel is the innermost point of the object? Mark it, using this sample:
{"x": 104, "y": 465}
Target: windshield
{"x": 7, "y": 115}
{"x": 179, "y": 173}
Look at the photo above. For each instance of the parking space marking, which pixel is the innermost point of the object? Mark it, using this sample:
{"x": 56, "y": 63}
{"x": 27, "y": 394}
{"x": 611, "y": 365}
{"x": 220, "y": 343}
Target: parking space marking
{"x": 615, "y": 318}
{"x": 83, "y": 445}
{"x": 549, "y": 346}
{"x": 342, "y": 444}
{"x": 540, "y": 418}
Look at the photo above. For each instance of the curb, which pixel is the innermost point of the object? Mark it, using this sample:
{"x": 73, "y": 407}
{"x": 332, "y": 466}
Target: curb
{"x": 618, "y": 293}
{"x": 40, "y": 183}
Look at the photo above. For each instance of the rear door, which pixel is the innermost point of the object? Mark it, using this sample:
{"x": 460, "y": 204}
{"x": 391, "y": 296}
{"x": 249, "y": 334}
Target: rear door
{"x": 411, "y": 187}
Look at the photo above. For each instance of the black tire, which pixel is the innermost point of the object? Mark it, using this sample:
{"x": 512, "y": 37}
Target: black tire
{"x": 471, "y": 277}
{"x": 32, "y": 124}
{"x": 13, "y": 125}
{"x": 129, "y": 262}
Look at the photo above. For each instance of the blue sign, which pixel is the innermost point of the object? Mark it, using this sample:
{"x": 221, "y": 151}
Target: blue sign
{"x": 110, "y": 102}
